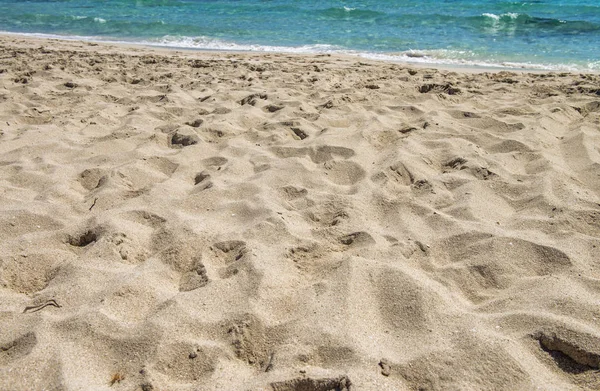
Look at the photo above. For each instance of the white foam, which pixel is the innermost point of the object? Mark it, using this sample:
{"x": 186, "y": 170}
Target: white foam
{"x": 63, "y": 37}
{"x": 510, "y": 15}
{"x": 461, "y": 58}
{"x": 493, "y": 16}
{"x": 205, "y": 43}
{"x": 99, "y": 20}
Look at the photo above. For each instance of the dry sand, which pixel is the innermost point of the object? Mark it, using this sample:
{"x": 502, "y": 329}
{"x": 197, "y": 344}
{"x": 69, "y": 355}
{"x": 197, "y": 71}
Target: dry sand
{"x": 231, "y": 221}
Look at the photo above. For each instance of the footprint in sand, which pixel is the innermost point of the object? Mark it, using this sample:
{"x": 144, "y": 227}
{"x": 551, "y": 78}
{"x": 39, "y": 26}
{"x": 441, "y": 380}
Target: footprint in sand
{"x": 182, "y": 138}
{"x": 92, "y": 178}
{"x": 215, "y": 161}
{"x": 343, "y": 172}
{"x": 32, "y": 272}
{"x": 202, "y": 181}
{"x": 573, "y": 352}
{"x": 357, "y": 239}
{"x": 194, "y": 279}
{"x": 12, "y": 350}
{"x": 232, "y": 255}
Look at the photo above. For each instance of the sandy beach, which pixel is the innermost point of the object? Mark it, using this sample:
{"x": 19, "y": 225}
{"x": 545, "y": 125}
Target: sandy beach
{"x": 182, "y": 220}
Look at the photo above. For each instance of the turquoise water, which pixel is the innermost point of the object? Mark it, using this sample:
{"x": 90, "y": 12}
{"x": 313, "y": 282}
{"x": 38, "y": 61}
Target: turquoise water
{"x": 543, "y": 34}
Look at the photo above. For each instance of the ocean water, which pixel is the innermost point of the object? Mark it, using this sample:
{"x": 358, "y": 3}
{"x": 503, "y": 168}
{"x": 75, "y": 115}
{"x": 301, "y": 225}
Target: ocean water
{"x": 537, "y": 34}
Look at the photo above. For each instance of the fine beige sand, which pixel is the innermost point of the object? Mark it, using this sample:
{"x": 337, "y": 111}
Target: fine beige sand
{"x": 178, "y": 221}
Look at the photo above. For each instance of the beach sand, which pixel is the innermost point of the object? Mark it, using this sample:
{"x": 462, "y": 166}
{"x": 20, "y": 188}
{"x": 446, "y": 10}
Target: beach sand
{"x": 236, "y": 221}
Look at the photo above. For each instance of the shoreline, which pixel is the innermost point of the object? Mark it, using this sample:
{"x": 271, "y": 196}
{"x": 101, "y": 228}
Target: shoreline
{"x": 175, "y": 220}
{"x": 383, "y": 57}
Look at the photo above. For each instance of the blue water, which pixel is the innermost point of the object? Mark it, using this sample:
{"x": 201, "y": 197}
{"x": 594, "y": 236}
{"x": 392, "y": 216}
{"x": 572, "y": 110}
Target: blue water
{"x": 543, "y": 34}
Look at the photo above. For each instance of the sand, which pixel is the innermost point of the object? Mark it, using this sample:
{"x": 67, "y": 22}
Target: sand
{"x": 236, "y": 221}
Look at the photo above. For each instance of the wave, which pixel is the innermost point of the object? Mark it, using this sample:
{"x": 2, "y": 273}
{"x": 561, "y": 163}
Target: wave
{"x": 96, "y": 25}
{"x": 526, "y": 22}
{"x": 443, "y": 57}
{"x": 82, "y": 18}
{"x": 467, "y": 59}
{"x": 206, "y": 43}
{"x": 349, "y": 13}
{"x": 509, "y": 15}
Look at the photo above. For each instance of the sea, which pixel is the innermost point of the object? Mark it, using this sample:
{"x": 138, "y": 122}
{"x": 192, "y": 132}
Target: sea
{"x": 558, "y": 35}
